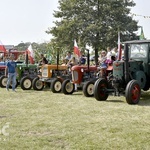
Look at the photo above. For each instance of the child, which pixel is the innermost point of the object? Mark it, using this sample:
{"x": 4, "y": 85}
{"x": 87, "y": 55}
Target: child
{"x": 103, "y": 64}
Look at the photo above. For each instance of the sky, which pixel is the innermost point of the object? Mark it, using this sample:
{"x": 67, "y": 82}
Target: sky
{"x": 27, "y": 20}
{"x": 142, "y": 15}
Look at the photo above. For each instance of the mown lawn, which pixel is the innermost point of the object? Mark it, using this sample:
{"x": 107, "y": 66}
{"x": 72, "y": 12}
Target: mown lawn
{"x": 42, "y": 120}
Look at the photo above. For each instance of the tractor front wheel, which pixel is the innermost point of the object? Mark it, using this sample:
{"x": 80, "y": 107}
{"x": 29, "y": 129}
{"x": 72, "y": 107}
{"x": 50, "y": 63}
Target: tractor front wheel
{"x": 67, "y": 87}
{"x": 26, "y": 83}
{"x": 56, "y": 86}
{"x": 133, "y": 92}
{"x": 88, "y": 88}
{"x": 100, "y": 89}
{"x": 37, "y": 84}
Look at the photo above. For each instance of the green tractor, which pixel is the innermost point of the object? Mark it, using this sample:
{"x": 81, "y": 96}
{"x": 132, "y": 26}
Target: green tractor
{"x": 131, "y": 74}
{"x": 26, "y": 73}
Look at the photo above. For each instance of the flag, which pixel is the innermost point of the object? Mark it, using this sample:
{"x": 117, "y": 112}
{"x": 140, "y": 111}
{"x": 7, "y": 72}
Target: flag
{"x": 76, "y": 49}
{"x": 119, "y": 47}
{"x": 30, "y": 54}
{"x": 142, "y": 37}
{"x": 2, "y": 47}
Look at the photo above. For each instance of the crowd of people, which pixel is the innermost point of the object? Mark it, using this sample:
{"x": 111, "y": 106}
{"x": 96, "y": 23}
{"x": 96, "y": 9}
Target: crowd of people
{"x": 105, "y": 59}
{"x": 71, "y": 60}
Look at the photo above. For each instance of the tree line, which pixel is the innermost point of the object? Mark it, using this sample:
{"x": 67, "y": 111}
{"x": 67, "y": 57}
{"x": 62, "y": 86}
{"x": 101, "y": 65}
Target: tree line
{"x": 95, "y": 23}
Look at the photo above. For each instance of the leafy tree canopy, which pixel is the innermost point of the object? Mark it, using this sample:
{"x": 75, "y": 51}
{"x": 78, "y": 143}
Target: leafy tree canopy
{"x": 93, "y": 22}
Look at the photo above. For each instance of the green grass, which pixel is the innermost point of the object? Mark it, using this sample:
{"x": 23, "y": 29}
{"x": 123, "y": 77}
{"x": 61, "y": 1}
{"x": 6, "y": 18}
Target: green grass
{"x": 42, "y": 120}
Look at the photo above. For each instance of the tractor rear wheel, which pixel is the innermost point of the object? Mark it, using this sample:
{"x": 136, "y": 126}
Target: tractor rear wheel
{"x": 37, "y": 84}
{"x": 56, "y": 85}
{"x": 133, "y": 92}
{"x": 3, "y": 81}
{"x": 100, "y": 89}
{"x": 26, "y": 83}
{"x": 67, "y": 87}
{"x": 88, "y": 89}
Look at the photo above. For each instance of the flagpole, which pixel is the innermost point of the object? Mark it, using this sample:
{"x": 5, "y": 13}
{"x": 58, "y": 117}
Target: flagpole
{"x": 119, "y": 47}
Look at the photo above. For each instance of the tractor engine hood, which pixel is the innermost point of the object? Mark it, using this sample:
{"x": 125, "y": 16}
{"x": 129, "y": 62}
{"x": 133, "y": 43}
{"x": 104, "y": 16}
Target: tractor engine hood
{"x": 118, "y": 67}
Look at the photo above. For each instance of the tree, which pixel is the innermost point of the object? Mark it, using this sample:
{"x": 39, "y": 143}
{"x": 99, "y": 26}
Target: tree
{"x": 93, "y": 22}
{"x": 37, "y": 47}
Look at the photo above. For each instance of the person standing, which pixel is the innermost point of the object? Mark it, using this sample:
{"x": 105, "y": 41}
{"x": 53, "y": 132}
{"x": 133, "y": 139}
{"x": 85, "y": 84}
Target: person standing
{"x": 11, "y": 72}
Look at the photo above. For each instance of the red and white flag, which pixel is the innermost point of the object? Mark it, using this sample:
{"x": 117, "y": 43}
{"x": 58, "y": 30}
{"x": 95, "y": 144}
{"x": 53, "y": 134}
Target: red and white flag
{"x": 30, "y": 54}
{"x": 2, "y": 47}
{"x": 119, "y": 47}
{"x": 76, "y": 49}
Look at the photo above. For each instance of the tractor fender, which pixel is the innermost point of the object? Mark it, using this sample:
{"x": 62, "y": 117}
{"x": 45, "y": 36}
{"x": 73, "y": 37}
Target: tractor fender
{"x": 141, "y": 78}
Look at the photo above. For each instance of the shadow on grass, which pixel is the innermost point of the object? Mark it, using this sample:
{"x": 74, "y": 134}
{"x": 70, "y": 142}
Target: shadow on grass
{"x": 115, "y": 101}
{"x": 3, "y": 117}
{"x": 144, "y": 100}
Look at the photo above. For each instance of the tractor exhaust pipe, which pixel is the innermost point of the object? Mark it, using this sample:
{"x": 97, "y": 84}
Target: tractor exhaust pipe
{"x": 57, "y": 60}
{"x": 26, "y": 59}
{"x": 88, "y": 59}
{"x": 126, "y": 62}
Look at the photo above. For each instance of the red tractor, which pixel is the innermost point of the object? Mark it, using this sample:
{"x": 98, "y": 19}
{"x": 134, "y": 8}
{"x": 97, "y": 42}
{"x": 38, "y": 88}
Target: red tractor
{"x": 84, "y": 77}
{"x": 2, "y": 68}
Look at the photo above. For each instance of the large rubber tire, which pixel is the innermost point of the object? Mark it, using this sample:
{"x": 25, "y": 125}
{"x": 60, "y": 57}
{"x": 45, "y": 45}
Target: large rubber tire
{"x": 67, "y": 87}
{"x": 147, "y": 85}
{"x": 37, "y": 84}
{"x": 133, "y": 92}
{"x": 88, "y": 89}
{"x": 100, "y": 89}
{"x": 26, "y": 83}
{"x": 3, "y": 81}
{"x": 56, "y": 85}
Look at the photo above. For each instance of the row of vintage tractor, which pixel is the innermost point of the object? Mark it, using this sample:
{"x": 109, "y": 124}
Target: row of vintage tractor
{"x": 26, "y": 72}
{"x": 127, "y": 76}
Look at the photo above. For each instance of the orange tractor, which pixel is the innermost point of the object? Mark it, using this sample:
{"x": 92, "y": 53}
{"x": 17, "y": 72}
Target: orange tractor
{"x": 51, "y": 75}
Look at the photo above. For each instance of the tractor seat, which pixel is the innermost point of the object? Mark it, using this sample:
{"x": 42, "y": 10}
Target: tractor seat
{"x": 110, "y": 67}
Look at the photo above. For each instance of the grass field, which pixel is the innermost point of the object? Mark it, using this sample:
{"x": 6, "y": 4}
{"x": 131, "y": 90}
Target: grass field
{"x": 42, "y": 120}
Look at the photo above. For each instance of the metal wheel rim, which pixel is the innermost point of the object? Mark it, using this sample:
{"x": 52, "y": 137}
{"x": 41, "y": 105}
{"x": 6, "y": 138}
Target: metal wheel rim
{"x": 27, "y": 83}
{"x": 39, "y": 84}
{"x": 102, "y": 87}
{"x": 90, "y": 89}
{"x": 69, "y": 87}
{"x": 135, "y": 93}
{"x": 4, "y": 81}
{"x": 57, "y": 86}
